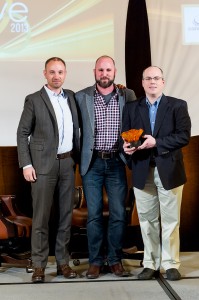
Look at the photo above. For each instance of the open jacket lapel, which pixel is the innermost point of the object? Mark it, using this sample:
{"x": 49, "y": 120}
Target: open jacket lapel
{"x": 90, "y": 108}
{"x": 162, "y": 109}
{"x": 48, "y": 103}
{"x": 144, "y": 113}
{"x": 73, "y": 109}
{"x": 121, "y": 98}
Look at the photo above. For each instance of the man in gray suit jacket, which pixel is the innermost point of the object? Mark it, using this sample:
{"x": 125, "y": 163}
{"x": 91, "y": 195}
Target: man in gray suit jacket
{"x": 158, "y": 171}
{"x": 102, "y": 164}
{"x": 48, "y": 145}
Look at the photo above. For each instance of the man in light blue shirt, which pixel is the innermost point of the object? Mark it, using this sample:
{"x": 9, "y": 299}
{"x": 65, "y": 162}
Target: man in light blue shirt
{"x": 158, "y": 171}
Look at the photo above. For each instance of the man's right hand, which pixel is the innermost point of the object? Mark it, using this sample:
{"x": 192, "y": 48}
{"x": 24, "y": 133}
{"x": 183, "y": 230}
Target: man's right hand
{"x": 127, "y": 149}
{"x": 29, "y": 174}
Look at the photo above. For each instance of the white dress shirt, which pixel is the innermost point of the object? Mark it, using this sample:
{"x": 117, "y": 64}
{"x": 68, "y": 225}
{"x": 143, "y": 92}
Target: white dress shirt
{"x": 64, "y": 120}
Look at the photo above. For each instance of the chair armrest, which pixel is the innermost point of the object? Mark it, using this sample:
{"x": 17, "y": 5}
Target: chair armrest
{"x": 79, "y": 197}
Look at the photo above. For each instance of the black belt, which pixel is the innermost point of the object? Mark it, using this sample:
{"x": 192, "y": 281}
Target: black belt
{"x": 64, "y": 155}
{"x": 106, "y": 154}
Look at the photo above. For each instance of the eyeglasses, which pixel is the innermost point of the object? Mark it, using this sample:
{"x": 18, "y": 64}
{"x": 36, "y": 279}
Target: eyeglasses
{"x": 156, "y": 78}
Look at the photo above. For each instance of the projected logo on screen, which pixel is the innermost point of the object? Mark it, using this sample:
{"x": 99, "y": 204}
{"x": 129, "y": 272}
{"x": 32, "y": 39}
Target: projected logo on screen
{"x": 13, "y": 24}
{"x": 190, "y": 24}
{"x": 68, "y": 28}
{"x": 196, "y": 21}
{"x": 15, "y": 13}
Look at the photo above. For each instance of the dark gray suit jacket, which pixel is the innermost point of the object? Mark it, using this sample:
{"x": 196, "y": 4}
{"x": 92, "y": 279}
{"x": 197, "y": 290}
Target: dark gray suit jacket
{"x": 172, "y": 132}
{"x": 85, "y": 103}
{"x": 37, "y": 133}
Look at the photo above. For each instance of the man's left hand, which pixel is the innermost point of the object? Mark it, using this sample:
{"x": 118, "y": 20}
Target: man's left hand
{"x": 149, "y": 142}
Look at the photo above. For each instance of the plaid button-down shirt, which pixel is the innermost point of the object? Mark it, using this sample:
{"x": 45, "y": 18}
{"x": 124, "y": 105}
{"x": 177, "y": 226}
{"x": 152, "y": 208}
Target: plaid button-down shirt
{"x": 107, "y": 123}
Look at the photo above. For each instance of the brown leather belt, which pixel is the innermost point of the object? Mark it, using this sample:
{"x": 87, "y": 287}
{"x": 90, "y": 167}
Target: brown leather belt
{"x": 106, "y": 154}
{"x": 64, "y": 155}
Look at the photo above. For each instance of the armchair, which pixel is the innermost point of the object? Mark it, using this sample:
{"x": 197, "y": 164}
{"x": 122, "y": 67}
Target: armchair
{"x": 15, "y": 233}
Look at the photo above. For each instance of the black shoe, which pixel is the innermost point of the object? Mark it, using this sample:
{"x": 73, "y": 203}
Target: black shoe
{"x": 173, "y": 274}
{"x": 147, "y": 274}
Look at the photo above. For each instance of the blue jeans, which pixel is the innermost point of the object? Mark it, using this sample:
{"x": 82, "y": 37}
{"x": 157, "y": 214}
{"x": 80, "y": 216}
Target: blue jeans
{"x": 111, "y": 174}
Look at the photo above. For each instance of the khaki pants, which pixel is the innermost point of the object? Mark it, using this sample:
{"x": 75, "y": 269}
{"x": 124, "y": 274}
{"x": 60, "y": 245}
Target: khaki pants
{"x": 159, "y": 216}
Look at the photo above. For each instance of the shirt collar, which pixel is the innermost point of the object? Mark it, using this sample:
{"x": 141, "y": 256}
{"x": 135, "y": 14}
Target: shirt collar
{"x": 53, "y": 94}
{"x": 116, "y": 90}
{"x": 157, "y": 101}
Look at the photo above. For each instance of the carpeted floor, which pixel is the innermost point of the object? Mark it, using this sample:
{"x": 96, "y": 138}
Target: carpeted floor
{"x": 15, "y": 283}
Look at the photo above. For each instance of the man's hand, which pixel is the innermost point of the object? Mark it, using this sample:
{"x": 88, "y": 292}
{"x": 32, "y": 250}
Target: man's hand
{"x": 29, "y": 174}
{"x": 149, "y": 142}
{"x": 127, "y": 149}
{"x": 120, "y": 86}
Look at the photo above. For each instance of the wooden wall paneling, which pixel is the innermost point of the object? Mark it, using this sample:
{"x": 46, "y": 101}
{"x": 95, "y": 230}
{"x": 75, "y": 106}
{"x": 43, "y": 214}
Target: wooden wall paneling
{"x": 189, "y": 229}
{"x": 12, "y": 182}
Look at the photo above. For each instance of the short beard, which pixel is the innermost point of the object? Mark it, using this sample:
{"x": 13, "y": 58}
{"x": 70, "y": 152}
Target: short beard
{"x": 104, "y": 84}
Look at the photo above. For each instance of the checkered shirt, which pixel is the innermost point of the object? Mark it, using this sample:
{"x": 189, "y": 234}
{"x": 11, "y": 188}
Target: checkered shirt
{"x": 107, "y": 123}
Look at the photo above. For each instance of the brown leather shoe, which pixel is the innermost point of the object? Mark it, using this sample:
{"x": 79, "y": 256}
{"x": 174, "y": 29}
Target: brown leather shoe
{"x": 66, "y": 271}
{"x": 118, "y": 270}
{"x": 93, "y": 272}
{"x": 39, "y": 275}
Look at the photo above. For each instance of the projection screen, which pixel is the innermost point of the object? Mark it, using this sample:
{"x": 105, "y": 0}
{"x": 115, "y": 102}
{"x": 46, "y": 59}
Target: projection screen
{"x": 79, "y": 31}
{"x": 174, "y": 36}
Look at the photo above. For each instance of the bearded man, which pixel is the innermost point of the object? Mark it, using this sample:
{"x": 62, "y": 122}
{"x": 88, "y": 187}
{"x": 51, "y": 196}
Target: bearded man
{"x": 103, "y": 165}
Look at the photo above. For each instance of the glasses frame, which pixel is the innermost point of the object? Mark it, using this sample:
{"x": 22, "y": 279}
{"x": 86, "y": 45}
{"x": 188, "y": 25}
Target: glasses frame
{"x": 155, "y": 78}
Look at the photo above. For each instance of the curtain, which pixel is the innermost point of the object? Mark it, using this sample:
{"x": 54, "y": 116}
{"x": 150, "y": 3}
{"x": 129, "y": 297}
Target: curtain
{"x": 137, "y": 45}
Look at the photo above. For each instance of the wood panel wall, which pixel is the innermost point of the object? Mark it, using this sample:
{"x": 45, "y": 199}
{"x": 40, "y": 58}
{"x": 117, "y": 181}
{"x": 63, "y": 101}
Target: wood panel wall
{"x": 190, "y": 201}
{"x": 12, "y": 182}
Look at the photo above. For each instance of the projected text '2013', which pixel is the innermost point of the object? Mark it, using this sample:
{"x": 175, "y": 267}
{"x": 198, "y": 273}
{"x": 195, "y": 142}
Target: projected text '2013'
{"x": 17, "y": 14}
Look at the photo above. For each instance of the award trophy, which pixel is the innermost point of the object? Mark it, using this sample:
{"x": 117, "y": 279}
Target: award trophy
{"x": 133, "y": 136}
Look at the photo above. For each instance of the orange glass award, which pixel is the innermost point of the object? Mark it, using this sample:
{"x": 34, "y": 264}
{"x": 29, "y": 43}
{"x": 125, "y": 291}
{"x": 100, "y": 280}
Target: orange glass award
{"x": 133, "y": 136}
